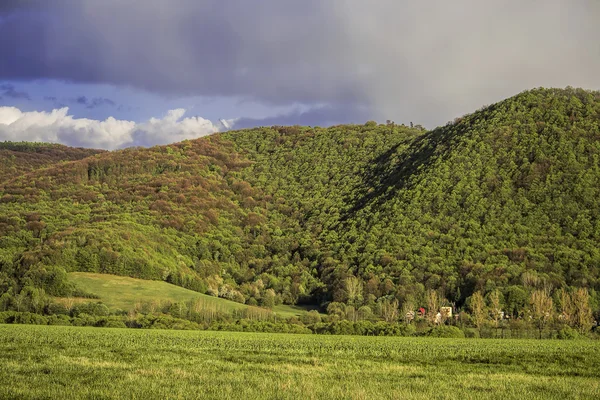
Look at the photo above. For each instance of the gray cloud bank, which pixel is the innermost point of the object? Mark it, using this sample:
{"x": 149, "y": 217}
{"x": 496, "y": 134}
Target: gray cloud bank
{"x": 421, "y": 61}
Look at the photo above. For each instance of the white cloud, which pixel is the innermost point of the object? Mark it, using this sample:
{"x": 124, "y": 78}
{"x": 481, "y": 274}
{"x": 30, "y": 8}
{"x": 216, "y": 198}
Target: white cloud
{"x": 59, "y": 127}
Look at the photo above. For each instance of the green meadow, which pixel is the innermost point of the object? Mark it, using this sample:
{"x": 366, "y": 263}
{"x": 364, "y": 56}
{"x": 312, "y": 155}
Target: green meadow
{"x": 124, "y": 293}
{"x": 74, "y": 362}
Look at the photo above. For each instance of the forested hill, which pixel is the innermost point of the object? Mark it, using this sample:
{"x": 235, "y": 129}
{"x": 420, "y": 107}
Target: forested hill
{"x": 506, "y": 197}
{"x": 17, "y": 158}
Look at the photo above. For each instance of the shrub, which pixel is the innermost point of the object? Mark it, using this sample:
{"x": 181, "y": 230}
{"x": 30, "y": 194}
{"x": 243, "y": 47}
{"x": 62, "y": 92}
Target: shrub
{"x": 311, "y": 317}
{"x": 446, "y": 331}
{"x": 57, "y": 309}
{"x": 471, "y": 333}
{"x": 30, "y": 318}
{"x": 91, "y": 308}
{"x": 7, "y": 317}
{"x": 568, "y": 333}
{"x": 59, "y": 320}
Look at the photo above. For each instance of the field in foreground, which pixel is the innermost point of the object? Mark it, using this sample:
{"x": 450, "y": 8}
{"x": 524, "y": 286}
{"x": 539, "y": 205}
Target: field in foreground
{"x": 70, "y": 362}
{"x": 121, "y": 292}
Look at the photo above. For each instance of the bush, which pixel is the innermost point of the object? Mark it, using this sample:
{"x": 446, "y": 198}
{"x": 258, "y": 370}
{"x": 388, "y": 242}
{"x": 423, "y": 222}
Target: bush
{"x": 446, "y": 331}
{"x": 311, "y": 317}
{"x": 568, "y": 333}
{"x": 91, "y": 308}
{"x": 471, "y": 333}
{"x": 57, "y": 309}
{"x": 30, "y": 318}
{"x": 8, "y": 317}
{"x": 59, "y": 320}
{"x": 84, "y": 320}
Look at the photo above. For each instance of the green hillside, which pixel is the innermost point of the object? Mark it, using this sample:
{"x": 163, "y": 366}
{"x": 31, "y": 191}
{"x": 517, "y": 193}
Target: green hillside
{"x": 508, "y": 196}
{"x": 505, "y": 198}
{"x": 17, "y": 158}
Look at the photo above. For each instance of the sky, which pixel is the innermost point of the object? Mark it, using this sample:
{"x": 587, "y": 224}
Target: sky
{"x": 118, "y": 73}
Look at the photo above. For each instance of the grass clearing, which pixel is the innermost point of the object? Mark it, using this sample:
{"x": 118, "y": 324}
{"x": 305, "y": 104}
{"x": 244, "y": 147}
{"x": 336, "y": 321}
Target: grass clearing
{"x": 121, "y": 292}
{"x": 286, "y": 311}
{"x": 71, "y": 362}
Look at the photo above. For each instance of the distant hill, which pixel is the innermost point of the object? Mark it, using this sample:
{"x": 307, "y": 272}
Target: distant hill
{"x": 507, "y": 197}
{"x": 17, "y": 158}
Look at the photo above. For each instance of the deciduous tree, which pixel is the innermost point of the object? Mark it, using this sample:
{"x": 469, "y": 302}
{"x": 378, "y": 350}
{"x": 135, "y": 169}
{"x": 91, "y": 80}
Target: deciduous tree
{"x": 542, "y": 309}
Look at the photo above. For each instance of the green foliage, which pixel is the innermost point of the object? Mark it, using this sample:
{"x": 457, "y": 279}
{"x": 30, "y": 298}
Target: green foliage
{"x": 568, "y": 333}
{"x": 444, "y": 331}
{"x": 91, "y": 308}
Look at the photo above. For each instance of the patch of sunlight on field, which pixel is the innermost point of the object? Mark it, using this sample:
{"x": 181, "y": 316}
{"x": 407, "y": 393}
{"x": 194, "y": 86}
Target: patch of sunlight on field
{"x": 286, "y": 311}
{"x": 121, "y": 292}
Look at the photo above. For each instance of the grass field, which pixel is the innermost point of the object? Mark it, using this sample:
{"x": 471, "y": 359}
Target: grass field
{"x": 70, "y": 362}
{"x": 121, "y": 292}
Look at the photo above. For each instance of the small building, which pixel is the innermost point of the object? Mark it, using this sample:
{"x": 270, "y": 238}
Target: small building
{"x": 446, "y": 312}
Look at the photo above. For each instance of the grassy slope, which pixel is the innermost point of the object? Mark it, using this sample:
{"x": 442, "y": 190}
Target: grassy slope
{"x": 123, "y": 292}
{"x": 68, "y": 362}
{"x": 119, "y": 292}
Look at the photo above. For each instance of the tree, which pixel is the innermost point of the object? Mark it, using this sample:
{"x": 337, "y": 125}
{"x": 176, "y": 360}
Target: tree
{"x": 516, "y": 300}
{"x": 364, "y": 312}
{"x": 389, "y": 310}
{"x": 542, "y": 309}
{"x": 495, "y": 299}
{"x": 268, "y": 299}
{"x": 354, "y": 290}
{"x": 336, "y": 310}
{"x": 408, "y": 311}
{"x": 178, "y": 309}
{"x": 21, "y": 301}
{"x": 311, "y": 317}
{"x": 477, "y": 305}
{"x": 350, "y": 313}
{"x": 433, "y": 305}
{"x": 583, "y": 318}
{"x": 566, "y": 306}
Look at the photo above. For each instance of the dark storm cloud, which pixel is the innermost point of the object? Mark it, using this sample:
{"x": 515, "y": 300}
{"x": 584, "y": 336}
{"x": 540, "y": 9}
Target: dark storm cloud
{"x": 93, "y": 102}
{"x": 55, "y": 102}
{"x": 100, "y": 101}
{"x": 10, "y": 6}
{"x": 9, "y": 91}
{"x": 183, "y": 48}
{"x": 405, "y": 60}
